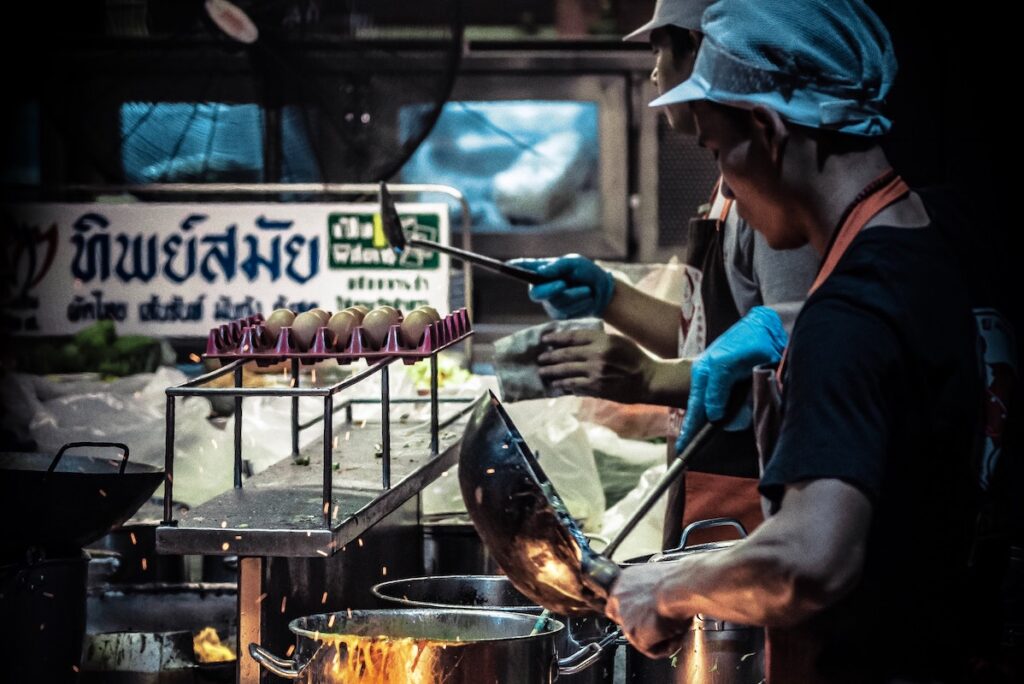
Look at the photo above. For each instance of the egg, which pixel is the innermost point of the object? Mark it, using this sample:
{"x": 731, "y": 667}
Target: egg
{"x": 304, "y": 329}
{"x": 359, "y": 311}
{"x": 413, "y": 326}
{"x": 324, "y": 315}
{"x": 341, "y": 326}
{"x": 376, "y": 324}
{"x": 430, "y": 310}
{"x": 278, "y": 318}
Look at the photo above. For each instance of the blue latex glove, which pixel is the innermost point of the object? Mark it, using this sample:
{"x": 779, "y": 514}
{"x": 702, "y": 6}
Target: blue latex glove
{"x": 578, "y": 286}
{"x": 756, "y": 338}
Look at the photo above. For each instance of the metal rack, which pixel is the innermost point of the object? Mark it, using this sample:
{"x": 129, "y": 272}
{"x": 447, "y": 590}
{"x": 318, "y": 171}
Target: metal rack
{"x": 195, "y": 387}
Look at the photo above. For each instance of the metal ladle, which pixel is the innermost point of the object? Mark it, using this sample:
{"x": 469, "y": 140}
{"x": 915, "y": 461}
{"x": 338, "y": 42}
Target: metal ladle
{"x": 396, "y": 237}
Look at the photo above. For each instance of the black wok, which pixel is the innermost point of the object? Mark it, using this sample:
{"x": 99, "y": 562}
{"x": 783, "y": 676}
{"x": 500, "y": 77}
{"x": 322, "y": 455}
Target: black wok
{"x": 61, "y": 504}
{"x": 524, "y": 523}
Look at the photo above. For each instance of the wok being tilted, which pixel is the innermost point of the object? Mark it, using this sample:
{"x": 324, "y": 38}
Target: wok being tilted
{"x": 526, "y": 527}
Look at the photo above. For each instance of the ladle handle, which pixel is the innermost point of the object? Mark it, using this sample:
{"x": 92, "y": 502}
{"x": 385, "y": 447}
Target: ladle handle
{"x": 738, "y": 399}
{"x": 674, "y": 470}
{"x": 481, "y": 260}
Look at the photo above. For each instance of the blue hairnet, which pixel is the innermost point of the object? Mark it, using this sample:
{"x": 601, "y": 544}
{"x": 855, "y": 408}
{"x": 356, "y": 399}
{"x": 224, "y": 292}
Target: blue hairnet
{"x": 825, "y": 64}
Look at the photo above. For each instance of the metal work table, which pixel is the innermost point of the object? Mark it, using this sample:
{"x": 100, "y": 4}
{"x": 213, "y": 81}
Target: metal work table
{"x": 279, "y": 511}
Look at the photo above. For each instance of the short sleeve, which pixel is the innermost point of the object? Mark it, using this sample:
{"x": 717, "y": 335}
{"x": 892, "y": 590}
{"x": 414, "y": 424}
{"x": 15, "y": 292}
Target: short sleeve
{"x": 843, "y": 384}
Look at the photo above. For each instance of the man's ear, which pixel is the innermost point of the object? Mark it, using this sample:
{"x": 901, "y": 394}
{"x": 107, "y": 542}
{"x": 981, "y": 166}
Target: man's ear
{"x": 772, "y": 131}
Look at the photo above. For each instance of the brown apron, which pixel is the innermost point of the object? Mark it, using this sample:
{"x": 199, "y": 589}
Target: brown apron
{"x": 791, "y": 653}
{"x": 722, "y": 478}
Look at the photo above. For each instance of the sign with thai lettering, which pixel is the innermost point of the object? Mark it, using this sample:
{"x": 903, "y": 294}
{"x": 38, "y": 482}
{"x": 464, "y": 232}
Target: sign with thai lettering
{"x": 181, "y": 269}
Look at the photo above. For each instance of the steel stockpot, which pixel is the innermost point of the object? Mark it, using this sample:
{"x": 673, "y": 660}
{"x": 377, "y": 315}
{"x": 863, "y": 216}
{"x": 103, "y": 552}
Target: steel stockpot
{"x": 495, "y": 592}
{"x": 713, "y": 651}
{"x": 407, "y": 645}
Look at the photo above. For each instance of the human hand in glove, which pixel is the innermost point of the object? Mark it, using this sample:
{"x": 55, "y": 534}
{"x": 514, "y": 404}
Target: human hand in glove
{"x": 594, "y": 363}
{"x": 578, "y": 287}
{"x": 756, "y": 338}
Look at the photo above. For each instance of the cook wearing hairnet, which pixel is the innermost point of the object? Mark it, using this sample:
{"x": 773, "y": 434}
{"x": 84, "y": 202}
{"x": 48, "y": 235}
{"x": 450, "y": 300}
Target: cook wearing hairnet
{"x": 866, "y": 425}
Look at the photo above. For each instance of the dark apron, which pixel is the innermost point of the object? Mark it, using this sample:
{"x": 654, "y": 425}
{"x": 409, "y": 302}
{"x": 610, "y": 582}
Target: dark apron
{"x": 791, "y": 653}
{"x": 722, "y": 478}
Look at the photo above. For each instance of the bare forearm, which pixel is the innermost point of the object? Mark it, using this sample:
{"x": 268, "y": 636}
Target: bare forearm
{"x": 752, "y": 588}
{"x": 652, "y": 322}
{"x": 669, "y": 383}
{"x": 794, "y": 565}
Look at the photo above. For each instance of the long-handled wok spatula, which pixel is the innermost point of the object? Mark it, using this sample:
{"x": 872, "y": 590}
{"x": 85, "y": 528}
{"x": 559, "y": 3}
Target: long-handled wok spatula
{"x": 398, "y": 240}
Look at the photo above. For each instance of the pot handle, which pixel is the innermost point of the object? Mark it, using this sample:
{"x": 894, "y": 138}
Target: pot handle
{"x": 69, "y": 445}
{"x": 705, "y": 524}
{"x": 286, "y": 669}
{"x": 588, "y": 655}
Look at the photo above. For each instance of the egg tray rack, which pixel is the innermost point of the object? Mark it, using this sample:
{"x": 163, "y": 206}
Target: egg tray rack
{"x": 239, "y": 343}
{"x": 247, "y": 338}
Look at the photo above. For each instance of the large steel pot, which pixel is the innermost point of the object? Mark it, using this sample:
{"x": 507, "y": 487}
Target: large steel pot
{"x": 407, "y": 645}
{"x": 713, "y": 651}
{"x": 496, "y": 592}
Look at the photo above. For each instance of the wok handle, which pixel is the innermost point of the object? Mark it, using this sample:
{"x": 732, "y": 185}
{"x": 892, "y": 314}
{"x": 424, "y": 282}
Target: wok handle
{"x": 588, "y": 655}
{"x": 286, "y": 669}
{"x": 601, "y": 571}
{"x": 72, "y": 445}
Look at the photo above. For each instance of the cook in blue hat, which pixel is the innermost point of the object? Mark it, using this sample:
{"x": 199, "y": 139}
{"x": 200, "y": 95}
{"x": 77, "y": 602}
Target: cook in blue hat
{"x": 866, "y": 470}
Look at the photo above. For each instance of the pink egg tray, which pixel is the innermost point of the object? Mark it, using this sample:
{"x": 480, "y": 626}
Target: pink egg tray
{"x": 247, "y": 338}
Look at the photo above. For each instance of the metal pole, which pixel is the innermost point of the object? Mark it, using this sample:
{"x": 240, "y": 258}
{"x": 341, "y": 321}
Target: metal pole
{"x": 250, "y": 617}
{"x": 238, "y": 430}
{"x": 385, "y": 425}
{"x": 295, "y": 410}
{"x": 433, "y": 406}
{"x": 169, "y": 463}
{"x": 328, "y": 458}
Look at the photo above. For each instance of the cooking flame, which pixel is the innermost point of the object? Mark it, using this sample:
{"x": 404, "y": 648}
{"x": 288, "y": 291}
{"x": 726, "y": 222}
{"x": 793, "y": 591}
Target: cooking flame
{"x": 380, "y": 660}
{"x": 209, "y": 649}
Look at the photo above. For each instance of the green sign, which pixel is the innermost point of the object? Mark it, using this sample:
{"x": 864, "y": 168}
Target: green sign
{"x": 357, "y": 241}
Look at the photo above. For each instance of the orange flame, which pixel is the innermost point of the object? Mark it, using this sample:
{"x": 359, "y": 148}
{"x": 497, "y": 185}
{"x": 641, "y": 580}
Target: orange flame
{"x": 350, "y": 659}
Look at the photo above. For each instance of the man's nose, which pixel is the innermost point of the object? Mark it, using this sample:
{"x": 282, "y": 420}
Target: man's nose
{"x": 654, "y": 75}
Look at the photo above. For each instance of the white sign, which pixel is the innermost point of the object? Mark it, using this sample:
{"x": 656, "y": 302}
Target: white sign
{"x": 181, "y": 269}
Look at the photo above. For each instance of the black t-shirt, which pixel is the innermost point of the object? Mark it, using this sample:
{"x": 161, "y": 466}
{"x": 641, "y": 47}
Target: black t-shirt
{"x": 881, "y": 391}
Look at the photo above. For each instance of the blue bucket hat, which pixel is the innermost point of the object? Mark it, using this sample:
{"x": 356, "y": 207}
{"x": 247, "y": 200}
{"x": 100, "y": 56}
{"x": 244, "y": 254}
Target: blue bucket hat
{"x": 824, "y": 64}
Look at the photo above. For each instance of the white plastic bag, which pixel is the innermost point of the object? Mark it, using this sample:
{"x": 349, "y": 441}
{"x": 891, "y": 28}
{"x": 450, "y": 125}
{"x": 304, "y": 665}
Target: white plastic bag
{"x": 554, "y": 434}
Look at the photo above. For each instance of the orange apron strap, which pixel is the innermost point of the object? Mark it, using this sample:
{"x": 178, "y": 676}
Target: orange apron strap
{"x": 859, "y": 215}
{"x": 863, "y": 212}
{"x": 726, "y": 202}
{"x": 726, "y": 206}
